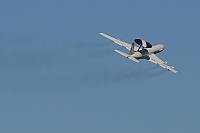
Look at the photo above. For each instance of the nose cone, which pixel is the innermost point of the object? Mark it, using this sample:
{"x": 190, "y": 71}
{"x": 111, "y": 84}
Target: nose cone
{"x": 161, "y": 47}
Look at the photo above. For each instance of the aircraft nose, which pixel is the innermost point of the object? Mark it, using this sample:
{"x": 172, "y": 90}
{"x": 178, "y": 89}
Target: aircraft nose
{"x": 161, "y": 47}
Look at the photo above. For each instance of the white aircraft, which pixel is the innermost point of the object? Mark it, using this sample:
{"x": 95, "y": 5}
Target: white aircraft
{"x": 144, "y": 51}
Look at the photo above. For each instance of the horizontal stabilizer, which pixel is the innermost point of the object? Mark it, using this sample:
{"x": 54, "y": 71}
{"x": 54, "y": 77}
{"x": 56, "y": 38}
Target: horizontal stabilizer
{"x": 127, "y": 56}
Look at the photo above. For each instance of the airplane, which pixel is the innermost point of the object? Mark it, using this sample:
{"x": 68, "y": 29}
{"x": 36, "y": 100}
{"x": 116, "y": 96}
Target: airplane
{"x": 144, "y": 51}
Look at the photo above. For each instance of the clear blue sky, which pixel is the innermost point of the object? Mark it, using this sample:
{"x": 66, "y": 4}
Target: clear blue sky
{"x": 58, "y": 75}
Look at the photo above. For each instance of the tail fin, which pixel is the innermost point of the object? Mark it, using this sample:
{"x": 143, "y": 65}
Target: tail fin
{"x": 132, "y": 49}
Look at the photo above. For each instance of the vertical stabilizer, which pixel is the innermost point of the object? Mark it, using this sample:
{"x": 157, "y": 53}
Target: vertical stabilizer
{"x": 132, "y": 49}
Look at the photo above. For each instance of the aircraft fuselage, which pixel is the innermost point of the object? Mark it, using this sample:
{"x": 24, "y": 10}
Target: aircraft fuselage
{"x": 143, "y": 53}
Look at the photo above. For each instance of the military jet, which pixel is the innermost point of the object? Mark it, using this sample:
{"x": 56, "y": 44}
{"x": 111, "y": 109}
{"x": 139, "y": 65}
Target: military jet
{"x": 144, "y": 51}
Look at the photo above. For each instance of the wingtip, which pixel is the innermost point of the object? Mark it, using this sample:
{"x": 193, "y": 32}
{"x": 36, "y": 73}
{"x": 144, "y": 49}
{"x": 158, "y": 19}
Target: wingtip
{"x": 101, "y": 33}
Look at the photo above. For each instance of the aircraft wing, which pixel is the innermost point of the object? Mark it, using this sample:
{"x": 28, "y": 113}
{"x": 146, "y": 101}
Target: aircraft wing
{"x": 117, "y": 41}
{"x": 127, "y": 56}
{"x": 153, "y": 58}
